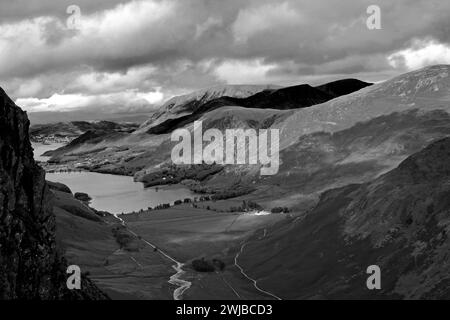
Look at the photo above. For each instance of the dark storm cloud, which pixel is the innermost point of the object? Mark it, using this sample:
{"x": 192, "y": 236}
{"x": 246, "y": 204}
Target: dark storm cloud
{"x": 176, "y": 46}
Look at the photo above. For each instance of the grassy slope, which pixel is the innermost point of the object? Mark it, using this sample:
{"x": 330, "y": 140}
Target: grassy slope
{"x": 89, "y": 243}
{"x": 399, "y": 222}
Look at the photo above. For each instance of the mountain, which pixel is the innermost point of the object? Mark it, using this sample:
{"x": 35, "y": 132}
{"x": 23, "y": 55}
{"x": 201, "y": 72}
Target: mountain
{"x": 399, "y": 221}
{"x": 91, "y": 137}
{"x": 426, "y": 89}
{"x": 184, "y": 110}
{"x": 31, "y": 267}
{"x": 286, "y": 98}
{"x": 187, "y": 104}
{"x": 350, "y": 139}
{"x": 355, "y": 138}
{"x": 323, "y": 160}
{"x": 295, "y": 97}
{"x": 76, "y": 128}
{"x": 301, "y": 96}
{"x": 343, "y": 87}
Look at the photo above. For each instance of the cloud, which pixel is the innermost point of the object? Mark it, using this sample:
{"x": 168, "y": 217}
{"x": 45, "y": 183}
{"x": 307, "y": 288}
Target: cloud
{"x": 421, "y": 54}
{"x": 107, "y": 39}
{"x": 128, "y": 101}
{"x": 126, "y": 49}
{"x": 244, "y": 72}
{"x": 209, "y": 24}
{"x": 29, "y": 88}
{"x": 264, "y": 18}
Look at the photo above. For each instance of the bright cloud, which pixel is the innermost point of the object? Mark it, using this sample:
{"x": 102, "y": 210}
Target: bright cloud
{"x": 245, "y": 72}
{"x": 421, "y": 54}
{"x": 128, "y": 101}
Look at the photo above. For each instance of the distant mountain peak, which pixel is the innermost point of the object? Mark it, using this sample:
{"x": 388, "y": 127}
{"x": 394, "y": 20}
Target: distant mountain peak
{"x": 185, "y": 104}
{"x": 206, "y": 94}
{"x": 183, "y": 109}
{"x": 425, "y": 89}
{"x": 343, "y": 87}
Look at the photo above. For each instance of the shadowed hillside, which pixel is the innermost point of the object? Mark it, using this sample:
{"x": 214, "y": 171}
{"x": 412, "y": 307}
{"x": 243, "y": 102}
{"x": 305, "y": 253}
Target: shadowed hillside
{"x": 399, "y": 222}
{"x": 184, "y": 105}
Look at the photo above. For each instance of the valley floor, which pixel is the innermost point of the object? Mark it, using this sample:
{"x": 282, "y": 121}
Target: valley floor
{"x": 184, "y": 233}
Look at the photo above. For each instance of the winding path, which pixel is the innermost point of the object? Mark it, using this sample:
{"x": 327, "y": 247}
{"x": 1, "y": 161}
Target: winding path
{"x": 176, "y": 280}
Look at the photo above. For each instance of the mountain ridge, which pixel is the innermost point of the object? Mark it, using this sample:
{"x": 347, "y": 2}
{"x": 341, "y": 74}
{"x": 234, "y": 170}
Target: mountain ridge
{"x": 187, "y": 103}
{"x": 292, "y": 97}
{"x": 399, "y": 221}
{"x": 409, "y": 91}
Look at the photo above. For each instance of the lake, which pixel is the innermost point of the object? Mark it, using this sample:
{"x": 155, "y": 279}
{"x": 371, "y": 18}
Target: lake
{"x": 40, "y": 148}
{"x": 111, "y": 193}
{"x": 117, "y": 194}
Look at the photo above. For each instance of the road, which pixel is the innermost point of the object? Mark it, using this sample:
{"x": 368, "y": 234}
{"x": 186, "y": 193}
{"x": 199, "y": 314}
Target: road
{"x": 255, "y": 284}
{"x": 184, "y": 285}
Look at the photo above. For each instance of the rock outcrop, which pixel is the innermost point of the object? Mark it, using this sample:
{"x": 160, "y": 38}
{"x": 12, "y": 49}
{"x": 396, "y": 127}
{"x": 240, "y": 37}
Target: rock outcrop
{"x": 30, "y": 265}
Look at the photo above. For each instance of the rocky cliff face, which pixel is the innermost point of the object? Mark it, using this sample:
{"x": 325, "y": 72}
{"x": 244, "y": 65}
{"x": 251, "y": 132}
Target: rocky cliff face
{"x": 30, "y": 266}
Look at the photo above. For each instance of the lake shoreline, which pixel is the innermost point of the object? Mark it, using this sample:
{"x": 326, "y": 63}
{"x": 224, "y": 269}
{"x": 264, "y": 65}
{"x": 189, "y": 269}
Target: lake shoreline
{"x": 120, "y": 194}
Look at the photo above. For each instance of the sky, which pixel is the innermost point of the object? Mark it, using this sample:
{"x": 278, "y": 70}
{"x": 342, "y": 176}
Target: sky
{"x": 117, "y": 56}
